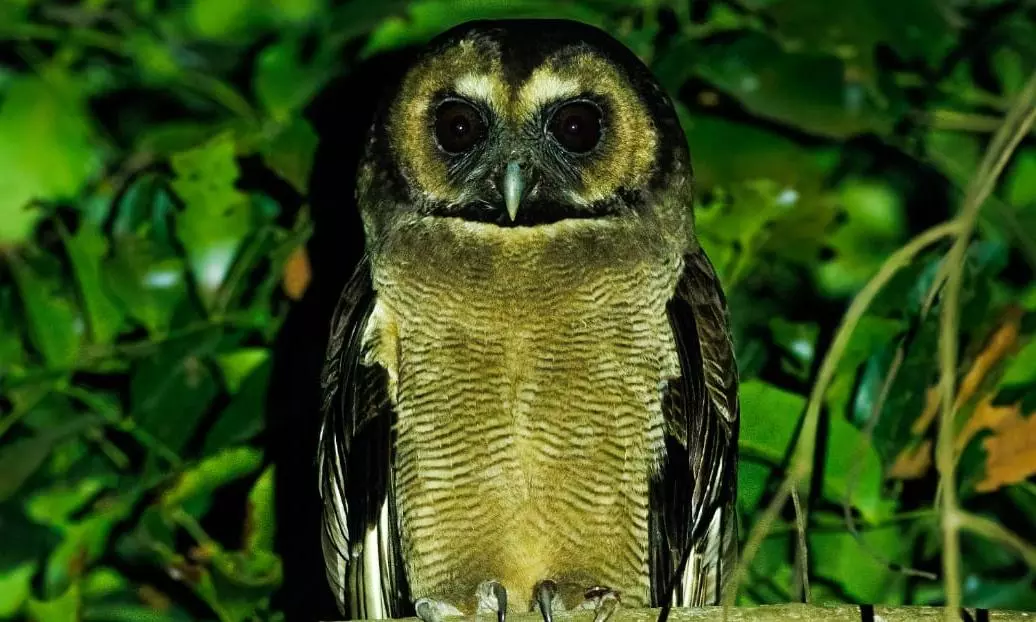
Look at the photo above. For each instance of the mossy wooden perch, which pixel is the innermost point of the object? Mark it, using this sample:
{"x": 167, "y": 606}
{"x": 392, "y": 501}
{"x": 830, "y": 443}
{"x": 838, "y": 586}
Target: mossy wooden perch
{"x": 779, "y": 613}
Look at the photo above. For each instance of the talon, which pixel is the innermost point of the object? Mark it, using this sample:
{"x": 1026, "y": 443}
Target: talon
{"x": 545, "y": 591}
{"x": 429, "y": 610}
{"x": 492, "y": 597}
{"x": 605, "y": 602}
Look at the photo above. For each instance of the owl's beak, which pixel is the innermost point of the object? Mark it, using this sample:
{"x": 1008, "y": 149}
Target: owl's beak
{"x": 513, "y": 187}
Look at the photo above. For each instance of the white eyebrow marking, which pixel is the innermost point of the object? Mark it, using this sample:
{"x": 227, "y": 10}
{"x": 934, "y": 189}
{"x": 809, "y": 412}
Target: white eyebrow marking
{"x": 544, "y": 87}
{"x": 477, "y": 86}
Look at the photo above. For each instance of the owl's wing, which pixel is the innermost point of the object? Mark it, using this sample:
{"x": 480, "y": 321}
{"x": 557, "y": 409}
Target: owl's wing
{"x": 693, "y": 495}
{"x": 354, "y": 458}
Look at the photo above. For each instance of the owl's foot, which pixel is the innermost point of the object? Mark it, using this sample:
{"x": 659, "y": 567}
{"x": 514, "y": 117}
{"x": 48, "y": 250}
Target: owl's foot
{"x": 492, "y": 597}
{"x": 603, "y": 600}
{"x": 429, "y": 610}
{"x": 548, "y": 598}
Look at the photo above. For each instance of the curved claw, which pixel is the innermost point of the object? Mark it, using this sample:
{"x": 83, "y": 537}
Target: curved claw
{"x": 545, "y": 592}
{"x": 492, "y": 596}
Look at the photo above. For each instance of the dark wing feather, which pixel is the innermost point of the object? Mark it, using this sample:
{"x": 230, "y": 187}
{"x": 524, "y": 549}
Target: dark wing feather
{"x": 354, "y": 458}
{"x": 694, "y": 492}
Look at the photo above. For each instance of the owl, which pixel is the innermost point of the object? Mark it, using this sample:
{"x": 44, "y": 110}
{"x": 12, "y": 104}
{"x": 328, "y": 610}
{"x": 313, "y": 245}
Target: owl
{"x": 530, "y": 395}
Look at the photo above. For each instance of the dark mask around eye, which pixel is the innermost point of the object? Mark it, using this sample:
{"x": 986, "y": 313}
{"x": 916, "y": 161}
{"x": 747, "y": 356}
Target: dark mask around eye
{"x": 459, "y": 126}
{"x": 576, "y": 126}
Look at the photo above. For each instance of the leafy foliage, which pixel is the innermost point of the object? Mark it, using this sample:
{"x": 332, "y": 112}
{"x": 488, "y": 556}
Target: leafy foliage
{"x": 156, "y": 162}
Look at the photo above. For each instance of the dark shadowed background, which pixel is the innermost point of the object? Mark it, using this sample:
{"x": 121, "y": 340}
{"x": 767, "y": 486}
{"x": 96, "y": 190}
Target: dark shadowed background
{"x": 177, "y": 220}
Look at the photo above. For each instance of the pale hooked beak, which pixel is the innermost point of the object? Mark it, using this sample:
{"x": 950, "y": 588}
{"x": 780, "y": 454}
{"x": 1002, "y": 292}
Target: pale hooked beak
{"x": 513, "y": 187}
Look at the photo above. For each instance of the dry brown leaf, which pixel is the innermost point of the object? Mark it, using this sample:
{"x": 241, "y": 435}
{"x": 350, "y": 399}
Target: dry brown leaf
{"x": 985, "y": 417}
{"x": 297, "y": 274}
{"x": 912, "y": 462}
{"x": 1010, "y": 452}
{"x": 999, "y": 346}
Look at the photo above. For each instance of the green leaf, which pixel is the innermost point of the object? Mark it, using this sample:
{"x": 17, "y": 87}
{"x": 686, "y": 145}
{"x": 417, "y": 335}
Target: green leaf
{"x": 148, "y": 280}
{"x": 48, "y": 151}
{"x": 853, "y": 467}
{"x": 21, "y": 458}
{"x": 426, "y": 18}
{"x": 83, "y": 542}
{"x": 171, "y": 390}
{"x": 769, "y": 418}
{"x": 919, "y": 29}
{"x": 261, "y": 517}
{"x": 1022, "y": 368}
{"x": 283, "y": 83}
{"x": 290, "y": 153}
{"x": 64, "y": 608}
{"x": 15, "y": 589}
{"x": 212, "y": 473}
{"x": 1020, "y": 186}
{"x": 838, "y": 557}
{"x": 808, "y": 91}
{"x": 874, "y": 228}
{"x": 242, "y": 583}
{"x": 217, "y": 217}
{"x": 244, "y": 417}
{"x": 87, "y": 249}
{"x": 239, "y": 364}
{"x": 54, "y": 322}
{"x": 751, "y": 483}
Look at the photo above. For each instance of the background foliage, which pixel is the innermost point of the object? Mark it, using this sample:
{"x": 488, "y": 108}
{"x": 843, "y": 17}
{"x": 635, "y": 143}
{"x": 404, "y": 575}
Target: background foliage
{"x": 175, "y": 223}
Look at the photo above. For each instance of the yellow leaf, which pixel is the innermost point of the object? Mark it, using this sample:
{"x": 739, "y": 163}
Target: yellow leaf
{"x": 1001, "y": 344}
{"x": 912, "y": 463}
{"x": 1010, "y": 452}
{"x": 297, "y": 274}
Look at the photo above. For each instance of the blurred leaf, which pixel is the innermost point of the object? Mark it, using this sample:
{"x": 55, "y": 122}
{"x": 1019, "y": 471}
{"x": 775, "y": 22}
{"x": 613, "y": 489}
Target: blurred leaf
{"x": 769, "y": 418}
{"x": 12, "y": 349}
{"x": 956, "y": 154}
{"x": 147, "y": 280}
{"x": 15, "y": 588}
{"x": 54, "y": 323}
{"x": 853, "y": 466}
{"x": 283, "y": 83}
{"x": 797, "y": 340}
{"x": 912, "y": 462}
{"x": 1011, "y": 450}
{"x": 426, "y": 18}
{"x": 87, "y": 249}
{"x": 84, "y": 541}
{"x": 217, "y": 217}
{"x": 260, "y": 518}
{"x": 21, "y": 458}
{"x": 239, "y": 364}
{"x": 170, "y": 391}
{"x": 873, "y": 229}
{"x": 211, "y": 473}
{"x": 1022, "y": 366}
{"x": 1020, "y": 186}
{"x": 64, "y": 608}
{"x": 48, "y": 151}
{"x": 872, "y": 334}
{"x": 810, "y": 92}
{"x": 751, "y": 481}
{"x": 241, "y": 583}
{"x": 290, "y": 153}
{"x": 838, "y": 557}
{"x": 297, "y": 273}
{"x": 919, "y": 29}
{"x": 244, "y": 417}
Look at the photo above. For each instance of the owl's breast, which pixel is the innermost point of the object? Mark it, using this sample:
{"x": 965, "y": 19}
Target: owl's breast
{"x": 529, "y": 420}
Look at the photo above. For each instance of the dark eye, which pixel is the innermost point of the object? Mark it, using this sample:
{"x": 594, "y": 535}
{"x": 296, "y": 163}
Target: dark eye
{"x": 458, "y": 126}
{"x": 577, "y": 126}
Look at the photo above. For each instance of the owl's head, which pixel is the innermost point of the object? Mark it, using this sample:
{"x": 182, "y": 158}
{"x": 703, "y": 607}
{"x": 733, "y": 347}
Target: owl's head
{"x": 523, "y": 123}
